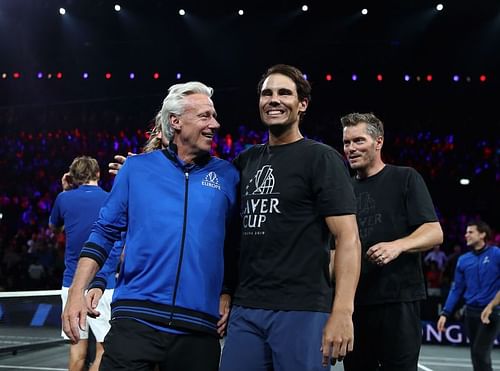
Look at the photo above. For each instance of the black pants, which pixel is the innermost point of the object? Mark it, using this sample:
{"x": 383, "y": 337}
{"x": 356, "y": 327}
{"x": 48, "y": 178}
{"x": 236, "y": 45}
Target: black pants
{"x": 131, "y": 345}
{"x": 481, "y": 338}
{"x": 387, "y": 337}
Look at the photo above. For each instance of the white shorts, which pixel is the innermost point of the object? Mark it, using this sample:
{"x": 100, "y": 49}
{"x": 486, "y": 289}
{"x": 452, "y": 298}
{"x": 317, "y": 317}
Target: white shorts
{"x": 100, "y": 325}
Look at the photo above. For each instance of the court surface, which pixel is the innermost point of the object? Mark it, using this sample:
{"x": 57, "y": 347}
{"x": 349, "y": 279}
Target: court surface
{"x": 54, "y": 358}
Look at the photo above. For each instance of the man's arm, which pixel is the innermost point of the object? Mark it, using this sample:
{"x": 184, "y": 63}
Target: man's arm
{"x": 456, "y": 292}
{"x": 423, "y": 238}
{"x": 338, "y": 334}
{"x": 485, "y": 314}
{"x": 74, "y": 316}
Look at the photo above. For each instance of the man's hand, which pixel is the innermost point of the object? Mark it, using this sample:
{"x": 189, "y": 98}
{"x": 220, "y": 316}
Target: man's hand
{"x": 338, "y": 338}
{"x": 66, "y": 182}
{"x": 224, "y": 307}
{"x": 383, "y": 253}
{"x": 441, "y": 323}
{"x": 485, "y": 314}
{"x": 114, "y": 167}
{"x": 74, "y": 316}
{"x": 92, "y": 300}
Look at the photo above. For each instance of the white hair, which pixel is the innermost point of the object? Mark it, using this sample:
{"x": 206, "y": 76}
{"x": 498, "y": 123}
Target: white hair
{"x": 173, "y": 104}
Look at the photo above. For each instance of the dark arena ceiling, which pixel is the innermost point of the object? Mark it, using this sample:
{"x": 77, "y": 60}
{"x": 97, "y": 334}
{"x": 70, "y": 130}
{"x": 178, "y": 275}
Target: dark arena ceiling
{"x": 214, "y": 44}
{"x": 213, "y": 40}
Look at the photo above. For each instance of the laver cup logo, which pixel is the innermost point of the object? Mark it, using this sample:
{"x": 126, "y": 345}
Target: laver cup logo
{"x": 259, "y": 200}
{"x": 262, "y": 182}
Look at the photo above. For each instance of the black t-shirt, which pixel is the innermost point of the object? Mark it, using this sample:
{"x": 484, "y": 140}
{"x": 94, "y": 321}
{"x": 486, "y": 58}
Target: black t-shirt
{"x": 286, "y": 193}
{"x": 391, "y": 205}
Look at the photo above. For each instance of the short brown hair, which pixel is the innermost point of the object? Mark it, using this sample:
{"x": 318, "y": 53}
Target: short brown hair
{"x": 83, "y": 169}
{"x": 482, "y": 227}
{"x": 374, "y": 126}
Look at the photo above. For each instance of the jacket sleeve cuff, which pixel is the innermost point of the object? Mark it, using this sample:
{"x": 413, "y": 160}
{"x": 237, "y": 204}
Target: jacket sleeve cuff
{"x": 445, "y": 313}
{"x": 98, "y": 283}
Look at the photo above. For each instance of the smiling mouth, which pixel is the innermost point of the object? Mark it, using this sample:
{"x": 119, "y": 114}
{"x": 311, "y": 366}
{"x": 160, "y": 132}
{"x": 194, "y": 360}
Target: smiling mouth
{"x": 208, "y": 135}
{"x": 275, "y": 112}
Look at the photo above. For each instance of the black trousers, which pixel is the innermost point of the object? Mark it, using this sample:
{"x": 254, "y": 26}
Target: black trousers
{"x": 131, "y": 345}
{"x": 481, "y": 338}
{"x": 387, "y": 337}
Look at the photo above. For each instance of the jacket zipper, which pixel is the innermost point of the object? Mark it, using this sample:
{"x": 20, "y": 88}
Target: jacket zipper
{"x": 183, "y": 239}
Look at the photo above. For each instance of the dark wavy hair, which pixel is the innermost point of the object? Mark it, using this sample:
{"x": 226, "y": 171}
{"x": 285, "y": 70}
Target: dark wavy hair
{"x": 303, "y": 86}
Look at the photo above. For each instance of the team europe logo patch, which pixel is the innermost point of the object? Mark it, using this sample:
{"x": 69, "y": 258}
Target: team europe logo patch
{"x": 211, "y": 180}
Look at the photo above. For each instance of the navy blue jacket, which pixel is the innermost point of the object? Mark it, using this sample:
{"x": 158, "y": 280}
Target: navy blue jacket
{"x": 175, "y": 217}
{"x": 477, "y": 278}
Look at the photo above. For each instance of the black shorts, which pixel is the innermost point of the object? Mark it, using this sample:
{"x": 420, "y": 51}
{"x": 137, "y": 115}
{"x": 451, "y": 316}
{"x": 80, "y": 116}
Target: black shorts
{"x": 132, "y": 345}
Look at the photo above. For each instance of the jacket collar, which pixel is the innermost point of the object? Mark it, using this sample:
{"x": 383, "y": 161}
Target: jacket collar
{"x": 171, "y": 153}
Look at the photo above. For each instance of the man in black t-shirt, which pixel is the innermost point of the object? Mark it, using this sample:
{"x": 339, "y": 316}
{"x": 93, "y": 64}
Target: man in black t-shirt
{"x": 397, "y": 221}
{"x": 295, "y": 194}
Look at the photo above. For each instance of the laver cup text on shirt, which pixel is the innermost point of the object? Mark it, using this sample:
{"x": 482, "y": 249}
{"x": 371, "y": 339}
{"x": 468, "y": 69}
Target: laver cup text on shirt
{"x": 259, "y": 200}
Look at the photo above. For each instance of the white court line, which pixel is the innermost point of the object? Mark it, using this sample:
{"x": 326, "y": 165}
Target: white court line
{"x": 450, "y": 364}
{"x": 16, "y": 294}
{"x": 34, "y": 368}
{"x": 423, "y": 367}
{"x": 452, "y": 361}
{"x": 445, "y": 358}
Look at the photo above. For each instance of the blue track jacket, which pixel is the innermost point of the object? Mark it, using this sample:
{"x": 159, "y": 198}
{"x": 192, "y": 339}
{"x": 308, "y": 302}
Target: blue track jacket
{"x": 477, "y": 278}
{"x": 175, "y": 217}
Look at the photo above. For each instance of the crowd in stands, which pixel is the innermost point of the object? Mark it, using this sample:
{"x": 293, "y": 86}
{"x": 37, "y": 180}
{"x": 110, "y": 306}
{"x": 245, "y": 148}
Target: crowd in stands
{"x": 33, "y": 161}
